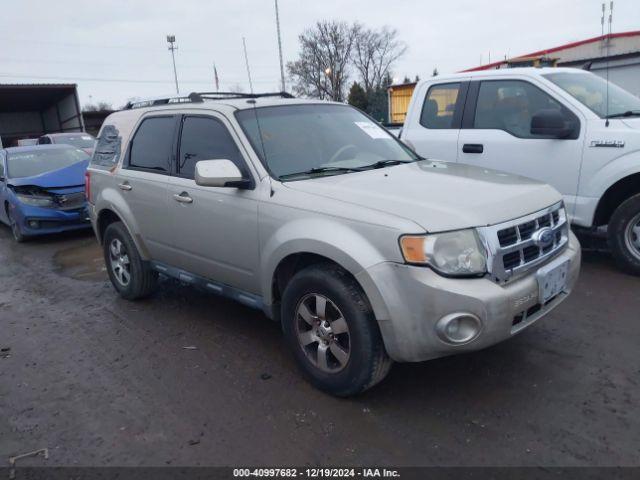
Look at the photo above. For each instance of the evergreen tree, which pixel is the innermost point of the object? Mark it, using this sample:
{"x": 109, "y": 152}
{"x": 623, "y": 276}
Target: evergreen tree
{"x": 358, "y": 97}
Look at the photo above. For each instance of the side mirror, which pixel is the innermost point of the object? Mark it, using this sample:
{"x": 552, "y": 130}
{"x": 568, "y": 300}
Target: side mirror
{"x": 551, "y": 123}
{"x": 219, "y": 173}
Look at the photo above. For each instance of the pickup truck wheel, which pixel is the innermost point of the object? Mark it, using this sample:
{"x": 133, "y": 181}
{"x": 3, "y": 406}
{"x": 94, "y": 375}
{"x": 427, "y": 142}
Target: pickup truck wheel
{"x": 331, "y": 328}
{"x": 132, "y": 277}
{"x": 624, "y": 235}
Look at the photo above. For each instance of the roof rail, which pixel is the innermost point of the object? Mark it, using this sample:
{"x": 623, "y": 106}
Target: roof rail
{"x": 226, "y": 95}
{"x": 199, "y": 97}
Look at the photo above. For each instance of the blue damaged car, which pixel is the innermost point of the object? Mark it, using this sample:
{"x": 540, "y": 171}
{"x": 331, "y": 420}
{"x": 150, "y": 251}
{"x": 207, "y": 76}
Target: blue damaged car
{"x": 42, "y": 189}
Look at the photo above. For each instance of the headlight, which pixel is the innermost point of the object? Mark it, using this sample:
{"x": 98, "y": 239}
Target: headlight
{"x": 457, "y": 253}
{"x": 35, "y": 201}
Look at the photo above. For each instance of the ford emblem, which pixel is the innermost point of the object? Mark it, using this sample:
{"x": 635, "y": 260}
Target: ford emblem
{"x": 543, "y": 237}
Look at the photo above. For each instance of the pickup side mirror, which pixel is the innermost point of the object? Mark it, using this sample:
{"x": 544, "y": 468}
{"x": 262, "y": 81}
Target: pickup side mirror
{"x": 551, "y": 123}
{"x": 220, "y": 173}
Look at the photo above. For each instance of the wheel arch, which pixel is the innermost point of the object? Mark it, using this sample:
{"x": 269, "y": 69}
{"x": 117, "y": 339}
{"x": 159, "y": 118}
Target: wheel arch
{"x": 615, "y": 195}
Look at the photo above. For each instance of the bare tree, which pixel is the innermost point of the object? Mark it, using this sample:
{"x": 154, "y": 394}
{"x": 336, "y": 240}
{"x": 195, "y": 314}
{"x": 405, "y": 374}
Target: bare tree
{"x": 374, "y": 53}
{"x": 322, "y": 68}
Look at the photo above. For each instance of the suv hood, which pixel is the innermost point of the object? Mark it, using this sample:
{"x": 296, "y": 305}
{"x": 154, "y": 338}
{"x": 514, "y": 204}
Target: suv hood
{"x": 438, "y": 196}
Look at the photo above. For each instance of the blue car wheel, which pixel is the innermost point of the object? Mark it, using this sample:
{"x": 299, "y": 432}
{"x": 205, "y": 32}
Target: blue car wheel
{"x": 15, "y": 229}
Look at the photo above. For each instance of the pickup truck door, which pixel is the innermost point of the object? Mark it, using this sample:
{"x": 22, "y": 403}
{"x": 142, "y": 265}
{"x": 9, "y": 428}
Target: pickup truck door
{"x": 496, "y": 133}
{"x": 214, "y": 230}
{"x": 433, "y": 121}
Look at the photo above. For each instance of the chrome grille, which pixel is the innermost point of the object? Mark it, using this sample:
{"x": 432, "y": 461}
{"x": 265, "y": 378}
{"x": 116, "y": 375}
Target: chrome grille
{"x": 515, "y": 247}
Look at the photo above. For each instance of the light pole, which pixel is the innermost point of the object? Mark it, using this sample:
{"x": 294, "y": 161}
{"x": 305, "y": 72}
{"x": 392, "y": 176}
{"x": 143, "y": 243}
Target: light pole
{"x": 282, "y": 84}
{"x": 171, "y": 40}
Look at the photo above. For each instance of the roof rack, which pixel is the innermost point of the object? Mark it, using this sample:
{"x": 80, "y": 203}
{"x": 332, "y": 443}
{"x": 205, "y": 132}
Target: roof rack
{"x": 199, "y": 97}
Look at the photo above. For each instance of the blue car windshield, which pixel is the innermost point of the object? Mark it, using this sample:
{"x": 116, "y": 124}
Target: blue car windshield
{"x": 36, "y": 162}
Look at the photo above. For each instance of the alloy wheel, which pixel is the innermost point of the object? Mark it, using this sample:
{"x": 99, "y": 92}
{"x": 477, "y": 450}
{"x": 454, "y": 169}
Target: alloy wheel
{"x": 120, "y": 264}
{"x": 632, "y": 236}
{"x": 323, "y": 333}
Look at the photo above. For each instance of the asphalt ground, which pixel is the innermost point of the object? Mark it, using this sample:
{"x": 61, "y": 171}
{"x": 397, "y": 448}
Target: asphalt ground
{"x": 187, "y": 378}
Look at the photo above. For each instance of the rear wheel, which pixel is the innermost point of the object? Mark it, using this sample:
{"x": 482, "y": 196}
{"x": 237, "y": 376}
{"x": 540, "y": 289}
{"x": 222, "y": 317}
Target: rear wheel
{"x": 624, "y": 235}
{"x": 331, "y": 329}
{"x": 18, "y": 236}
{"x": 131, "y": 276}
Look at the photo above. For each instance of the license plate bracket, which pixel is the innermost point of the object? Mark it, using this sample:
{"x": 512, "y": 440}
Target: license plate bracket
{"x": 552, "y": 280}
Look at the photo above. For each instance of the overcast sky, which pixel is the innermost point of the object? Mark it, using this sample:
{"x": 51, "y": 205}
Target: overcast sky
{"x": 115, "y": 50}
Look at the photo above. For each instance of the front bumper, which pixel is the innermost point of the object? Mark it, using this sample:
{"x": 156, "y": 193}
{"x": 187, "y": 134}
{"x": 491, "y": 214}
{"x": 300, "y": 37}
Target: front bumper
{"x": 41, "y": 221}
{"x": 413, "y": 299}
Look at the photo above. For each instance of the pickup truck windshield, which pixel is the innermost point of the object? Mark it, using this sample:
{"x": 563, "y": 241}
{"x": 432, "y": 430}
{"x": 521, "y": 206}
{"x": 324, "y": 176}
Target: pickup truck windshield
{"x": 314, "y": 139}
{"x": 591, "y": 91}
{"x": 36, "y": 162}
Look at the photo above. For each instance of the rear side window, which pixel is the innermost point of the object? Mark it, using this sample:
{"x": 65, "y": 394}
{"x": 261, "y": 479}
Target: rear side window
{"x": 440, "y": 105}
{"x": 205, "y": 138}
{"x": 107, "y": 151}
{"x": 152, "y": 145}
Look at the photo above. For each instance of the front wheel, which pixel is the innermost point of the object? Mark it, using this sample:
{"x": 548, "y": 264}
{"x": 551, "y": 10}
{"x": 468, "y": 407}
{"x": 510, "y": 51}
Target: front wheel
{"x": 624, "y": 235}
{"x": 331, "y": 328}
{"x": 18, "y": 236}
{"x": 131, "y": 276}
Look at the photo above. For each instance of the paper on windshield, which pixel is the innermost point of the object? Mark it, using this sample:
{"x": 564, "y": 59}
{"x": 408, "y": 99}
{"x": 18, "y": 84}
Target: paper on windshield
{"x": 372, "y": 130}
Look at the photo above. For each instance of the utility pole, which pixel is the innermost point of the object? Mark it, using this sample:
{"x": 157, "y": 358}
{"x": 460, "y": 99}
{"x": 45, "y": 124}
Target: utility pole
{"x": 246, "y": 59}
{"x": 283, "y": 86}
{"x": 171, "y": 40}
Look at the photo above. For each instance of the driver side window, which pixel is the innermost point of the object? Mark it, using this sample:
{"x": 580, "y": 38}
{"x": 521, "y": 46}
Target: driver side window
{"x": 509, "y": 105}
{"x": 206, "y": 138}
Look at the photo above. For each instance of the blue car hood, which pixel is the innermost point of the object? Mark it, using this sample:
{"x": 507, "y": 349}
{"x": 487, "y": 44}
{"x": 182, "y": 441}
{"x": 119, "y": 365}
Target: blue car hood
{"x": 70, "y": 176}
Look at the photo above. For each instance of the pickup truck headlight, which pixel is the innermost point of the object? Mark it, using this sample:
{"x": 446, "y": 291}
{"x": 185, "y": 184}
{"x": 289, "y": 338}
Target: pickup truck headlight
{"x": 35, "y": 201}
{"x": 458, "y": 253}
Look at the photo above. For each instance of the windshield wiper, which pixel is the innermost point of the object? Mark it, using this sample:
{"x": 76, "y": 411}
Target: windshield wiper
{"x": 384, "y": 163}
{"x": 315, "y": 170}
{"x": 628, "y": 113}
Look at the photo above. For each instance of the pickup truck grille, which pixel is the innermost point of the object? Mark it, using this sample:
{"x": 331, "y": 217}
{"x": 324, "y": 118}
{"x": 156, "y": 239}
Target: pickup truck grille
{"x": 520, "y": 245}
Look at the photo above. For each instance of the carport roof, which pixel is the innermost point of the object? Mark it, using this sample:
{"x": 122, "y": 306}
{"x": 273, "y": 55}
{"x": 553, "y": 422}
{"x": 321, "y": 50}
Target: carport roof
{"x": 16, "y": 97}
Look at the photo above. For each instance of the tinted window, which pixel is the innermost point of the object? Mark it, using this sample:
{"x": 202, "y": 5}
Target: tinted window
{"x": 205, "y": 139}
{"x": 151, "y": 147}
{"x": 36, "y": 162}
{"x": 107, "y": 152}
{"x": 44, "y": 140}
{"x": 439, "y": 106}
{"x": 509, "y": 105}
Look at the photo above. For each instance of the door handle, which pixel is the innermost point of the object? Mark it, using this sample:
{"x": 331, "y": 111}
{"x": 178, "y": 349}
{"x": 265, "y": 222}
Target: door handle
{"x": 473, "y": 148}
{"x": 124, "y": 186}
{"x": 183, "y": 198}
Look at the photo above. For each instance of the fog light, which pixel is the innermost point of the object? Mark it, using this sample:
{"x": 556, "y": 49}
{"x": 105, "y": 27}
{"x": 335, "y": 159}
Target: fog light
{"x": 34, "y": 224}
{"x": 458, "y": 328}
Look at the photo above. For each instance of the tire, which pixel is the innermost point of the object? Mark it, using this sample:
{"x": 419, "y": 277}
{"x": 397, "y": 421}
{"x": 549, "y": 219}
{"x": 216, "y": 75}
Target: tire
{"x": 366, "y": 362}
{"x": 132, "y": 277}
{"x": 18, "y": 236}
{"x": 624, "y": 235}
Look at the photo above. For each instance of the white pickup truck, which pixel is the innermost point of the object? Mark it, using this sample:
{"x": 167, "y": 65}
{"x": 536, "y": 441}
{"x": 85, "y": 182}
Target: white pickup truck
{"x": 563, "y": 126}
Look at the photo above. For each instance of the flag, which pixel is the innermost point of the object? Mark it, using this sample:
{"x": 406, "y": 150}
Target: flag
{"x": 215, "y": 76}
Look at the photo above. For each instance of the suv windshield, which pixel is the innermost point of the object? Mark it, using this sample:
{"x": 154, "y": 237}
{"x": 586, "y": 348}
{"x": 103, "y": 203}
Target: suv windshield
{"x": 315, "y": 139}
{"x": 36, "y": 162}
{"x": 591, "y": 90}
{"x": 80, "y": 141}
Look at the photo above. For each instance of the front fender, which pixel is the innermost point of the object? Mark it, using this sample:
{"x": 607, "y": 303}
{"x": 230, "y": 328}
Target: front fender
{"x": 337, "y": 241}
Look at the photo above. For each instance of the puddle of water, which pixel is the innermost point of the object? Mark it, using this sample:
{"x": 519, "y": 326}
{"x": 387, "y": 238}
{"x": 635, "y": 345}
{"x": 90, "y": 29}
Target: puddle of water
{"x": 81, "y": 262}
